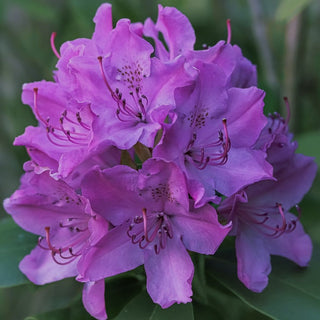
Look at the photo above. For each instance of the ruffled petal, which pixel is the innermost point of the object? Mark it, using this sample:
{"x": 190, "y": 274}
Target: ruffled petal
{"x": 176, "y": 29}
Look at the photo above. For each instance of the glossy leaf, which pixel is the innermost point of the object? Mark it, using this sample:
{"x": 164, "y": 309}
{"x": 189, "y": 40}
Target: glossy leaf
{"x": 31, "y": 301}
{"x": 293, "y": 293}
{"x": 141, "y": 307}
{"x": 218, "y": 297}
{"x": 119, "y": 292}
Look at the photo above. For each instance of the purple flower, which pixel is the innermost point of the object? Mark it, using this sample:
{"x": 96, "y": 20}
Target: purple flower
{"x": 154, "y": 224}
{"x": 67, "y": 227}
{"x": 131, "y": 92}
{"x": 138, "y": 91}
{"x": 260, "y": 213}
{"x": 212, "y": 139}
{"x": 179, "y": 37}
{"x": 177, "y": 32}
{"x": 62, "y": 141}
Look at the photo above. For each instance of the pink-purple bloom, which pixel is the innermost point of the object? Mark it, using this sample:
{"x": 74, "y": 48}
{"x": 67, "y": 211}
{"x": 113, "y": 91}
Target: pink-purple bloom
{"x": 261, "y": 217}
{"x": 155, "y": 225}
{"x": 212, "y": 139}
{"x": 135, "y": 147}
{"x": 67, "y": 227}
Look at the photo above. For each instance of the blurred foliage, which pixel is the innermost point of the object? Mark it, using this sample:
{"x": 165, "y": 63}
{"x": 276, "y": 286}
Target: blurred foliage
{"x": 281, "y": 37}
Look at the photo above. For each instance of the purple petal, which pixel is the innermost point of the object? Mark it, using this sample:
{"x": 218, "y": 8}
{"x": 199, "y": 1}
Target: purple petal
{"x": 93, "y": 299}
{"x": 245, "y": 118}
{"x": 244, "y": 74}
{"x": 114, "y": 254}
{"x": 169, "y": 274}
{"x": 113, "y": 193}
{"x": 244, "y": 167}
{"x": 150, "y": 30}
{"x": 253, "y": 259}
{"x": 176, "y": 29}
{"x": 169, "y": 181}
{"x": 40, "y": 268}
{"x": 201, "y": 232}
{"x": 103, "y": 21}
{"x": 45, "y": 200}
{"x": 299, "y": 172}
{"x": 295, "y": 245}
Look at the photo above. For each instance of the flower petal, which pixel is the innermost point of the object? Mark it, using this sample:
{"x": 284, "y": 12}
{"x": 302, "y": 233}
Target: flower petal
{"x": 200, "y": 229}
{"x": 93, "y": 299}
{"x": 113, "y": 254}
{"x": 40, "y": 268}
{"x": 176, "y": 29}
{"x": 169, "y": 274}
{"x": 253, "y": 259}
{"x": 295, "y": 245}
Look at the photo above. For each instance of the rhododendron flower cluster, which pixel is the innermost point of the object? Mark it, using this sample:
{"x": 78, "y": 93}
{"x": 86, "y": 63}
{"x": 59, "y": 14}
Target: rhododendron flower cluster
{"x": 143, "y": 153}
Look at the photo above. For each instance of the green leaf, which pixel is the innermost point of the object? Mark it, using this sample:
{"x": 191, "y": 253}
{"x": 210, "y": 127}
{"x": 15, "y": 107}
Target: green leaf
{"x": 119, "y": 291}
{"x": 292, "y": 294}
{"x": 218, "y": 297}
{"x": 142, "y": 307}
{"x": 32, "y": 301}
{"x": 75, "y": 311}
{"x": 15, "y": 243}
{"x": 288, "y": 9}
{"x": 308, "y": 144}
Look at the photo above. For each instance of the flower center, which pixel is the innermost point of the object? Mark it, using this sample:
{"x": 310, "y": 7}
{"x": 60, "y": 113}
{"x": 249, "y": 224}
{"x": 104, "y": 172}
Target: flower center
{"x": 70, "y": 129}
{"x": 74, "y": 236}
{"x": 264, "y": 218}
{"x": 153, "y": 228}
{"x": 135, "y": 110}
{"x": 214, "y": 153}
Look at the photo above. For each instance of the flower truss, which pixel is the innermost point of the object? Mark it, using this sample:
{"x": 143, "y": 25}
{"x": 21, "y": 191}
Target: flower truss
{"x": 141, "y": 151}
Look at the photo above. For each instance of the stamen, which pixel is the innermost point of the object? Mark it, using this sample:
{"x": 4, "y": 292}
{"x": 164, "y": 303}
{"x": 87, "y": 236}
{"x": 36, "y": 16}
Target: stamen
{"x": 155, "y": 227}
{"x": 51, "y": 247}
{"x": 53, "y": 47}
{"x": 138, "y": 110}
{"x": 203, "y": 156}
{"x": 224, "y": 122}
{"x": 114, "y": 96}
{"x": 35, "y": 105}
{"x": 229, "y": 31}
{"x": 252, "y": 215}
{"x": 78, "y": 237}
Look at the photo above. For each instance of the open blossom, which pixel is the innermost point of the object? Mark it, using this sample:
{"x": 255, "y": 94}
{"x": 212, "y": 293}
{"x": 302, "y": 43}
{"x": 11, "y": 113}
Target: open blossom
{"x": 67, "y": 227}
{"x": 179, "y": 38}
{"x": 133, "y": 145}
{"x": 131, "y": 92}
{"x": 260, "y": 213}
{"x": 212, "y": 139}
{"x": 155, "y": 225}
{"x": 63, "y": 139}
